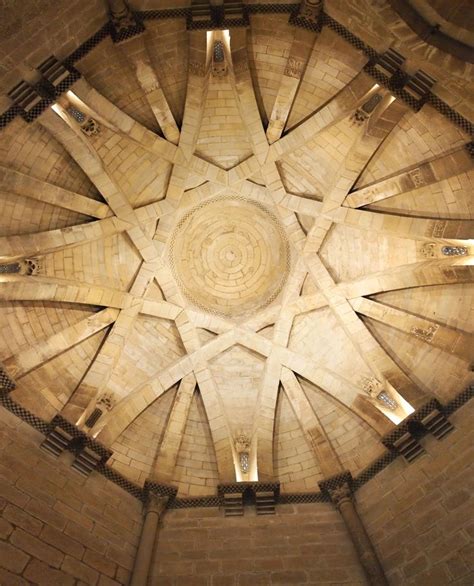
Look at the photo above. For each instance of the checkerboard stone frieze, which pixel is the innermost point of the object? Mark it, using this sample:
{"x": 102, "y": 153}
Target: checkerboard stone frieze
{"x": 6, "y": 383}
{"x": 109, "y": 30}
{"x": 374, "y": 468}
{"x": 159, "y": 489}
{"x": 32, "y": 420}
{"x": 238, "y": 489}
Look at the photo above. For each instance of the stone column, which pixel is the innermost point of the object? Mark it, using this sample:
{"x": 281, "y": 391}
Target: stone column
{"x": 343, "y": 501}
{"x": 154, "y": 509}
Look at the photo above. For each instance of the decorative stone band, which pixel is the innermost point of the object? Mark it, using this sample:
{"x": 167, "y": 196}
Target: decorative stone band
{"x": 299, "y": 498}
{"x": 459, "y": 400}
{"x": 120, "y": 480}
{"x": 241, "y": 487}
{"x": 346, "y": 34}
{"x": 103, "y": 33}
{"x": 217, "y": 500}
{"x": 6, "y": 383}
{"x": 373, "y": 469}
{"x": 33, "y": 109}
{"x": 229, "y": 21}
{"x": 196, "y": 502}
{"x": 155, "y": 488}
{"x": 414, "y": 103}
{"x": 35, "y": 422}
{"x": 470, "y": 148}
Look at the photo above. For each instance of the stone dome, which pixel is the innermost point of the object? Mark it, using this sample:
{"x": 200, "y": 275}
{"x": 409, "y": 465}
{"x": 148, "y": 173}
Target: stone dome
{"x": 255, "y": 233}
{"x": 230, "y": 256}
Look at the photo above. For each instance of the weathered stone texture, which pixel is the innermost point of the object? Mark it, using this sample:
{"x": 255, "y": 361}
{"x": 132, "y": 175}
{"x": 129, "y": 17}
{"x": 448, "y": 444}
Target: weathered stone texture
{"x": 420, "y": 517}
{"x": 301, "y": 544}
{"x": 57, "y": 527}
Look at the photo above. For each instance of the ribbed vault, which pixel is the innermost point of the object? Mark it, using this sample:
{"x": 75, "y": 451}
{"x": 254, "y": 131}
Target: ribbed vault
{"x": 344, "y": 256}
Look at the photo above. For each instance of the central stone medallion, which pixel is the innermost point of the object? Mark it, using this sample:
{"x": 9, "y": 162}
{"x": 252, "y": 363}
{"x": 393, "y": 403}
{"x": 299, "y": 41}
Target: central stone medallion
{"x": 230, "y": 256}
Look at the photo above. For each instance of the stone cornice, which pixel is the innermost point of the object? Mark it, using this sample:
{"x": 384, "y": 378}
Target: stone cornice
{"x": 216, "y": 22}
{"x": 216, "y": 500}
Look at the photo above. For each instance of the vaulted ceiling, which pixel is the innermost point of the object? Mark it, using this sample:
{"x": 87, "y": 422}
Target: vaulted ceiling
{"x": 237, "y": 255}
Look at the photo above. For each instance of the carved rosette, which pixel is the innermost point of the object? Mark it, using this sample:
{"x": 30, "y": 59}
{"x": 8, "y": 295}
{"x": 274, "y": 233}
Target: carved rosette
{"x": 428, "y": 250}
{"x": 242, "y": 447}
{"x": 359, "y": 117}
{"x": 107, "y": 400}
{"x": 91, "y": 127}
{"x": 294, "y": 68}
{"x": 425, "y": 334}
{"x": 371, "y": 386}
{"x": 242, "y": 443}
{"x": 29, "y": 266}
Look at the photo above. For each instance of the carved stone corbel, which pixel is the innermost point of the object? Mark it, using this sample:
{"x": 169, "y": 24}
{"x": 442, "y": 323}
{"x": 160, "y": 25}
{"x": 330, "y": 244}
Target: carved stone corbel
{"x": 124, "y": 22}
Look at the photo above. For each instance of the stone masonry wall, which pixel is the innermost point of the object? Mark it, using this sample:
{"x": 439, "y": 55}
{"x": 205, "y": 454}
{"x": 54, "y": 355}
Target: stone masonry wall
{"x": 57, "y": 527}
{"x": 420, "y": 516}
{"x": 301, "y": 544}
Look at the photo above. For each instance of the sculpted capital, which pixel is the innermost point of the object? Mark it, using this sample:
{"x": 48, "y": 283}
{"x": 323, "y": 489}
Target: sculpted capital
{"x": 156, "y": 504}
